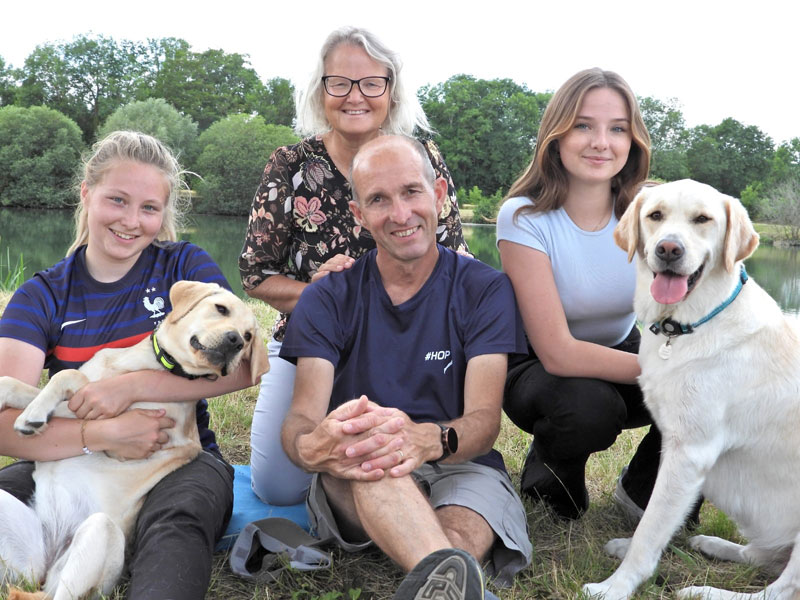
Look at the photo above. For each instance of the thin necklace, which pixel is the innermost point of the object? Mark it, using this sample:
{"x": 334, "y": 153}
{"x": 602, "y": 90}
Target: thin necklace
{"x": 604, "y": 219}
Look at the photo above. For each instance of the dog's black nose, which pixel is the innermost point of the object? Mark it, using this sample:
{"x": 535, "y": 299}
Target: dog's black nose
{"x": 234, "y": 341}
{"x": 669, "y": 250}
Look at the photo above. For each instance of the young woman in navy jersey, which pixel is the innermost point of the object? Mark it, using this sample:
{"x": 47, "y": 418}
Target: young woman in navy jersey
{"x": 112, "y": 290}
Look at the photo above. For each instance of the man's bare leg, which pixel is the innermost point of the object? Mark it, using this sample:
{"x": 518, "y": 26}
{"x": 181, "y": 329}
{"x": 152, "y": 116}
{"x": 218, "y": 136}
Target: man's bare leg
{"x": 399, "y": 519}
{"x": 467, "y": 530}
{"x": 392, "y": 512}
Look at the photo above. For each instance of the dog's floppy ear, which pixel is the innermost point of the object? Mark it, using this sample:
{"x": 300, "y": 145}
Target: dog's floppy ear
{"x": 184, "y": 296}
{"x": 741, "y": 239}
{"x": 258, "y": 359}
{"x": 626, "y": 233}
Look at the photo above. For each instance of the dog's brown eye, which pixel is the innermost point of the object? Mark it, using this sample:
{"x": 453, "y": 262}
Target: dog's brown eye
{"x": 655, "y": 215}
{"x": 221, "y": 309}
{"x": 248, "y": 336}
{"x": 701, "y": 219}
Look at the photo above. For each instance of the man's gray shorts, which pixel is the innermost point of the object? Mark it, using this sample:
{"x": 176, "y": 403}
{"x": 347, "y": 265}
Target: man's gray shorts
{"x": 482, "y": 489}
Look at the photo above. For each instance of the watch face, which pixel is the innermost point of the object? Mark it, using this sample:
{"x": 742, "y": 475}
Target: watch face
{"x": 452, "y": 440}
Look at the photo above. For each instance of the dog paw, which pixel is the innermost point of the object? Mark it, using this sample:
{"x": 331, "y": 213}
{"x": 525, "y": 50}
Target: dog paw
{"x": 604, "y": 590}
{"x": 697, "y": 592}
{"x": 30, "y": 422}
{"x": 716, "y": 547}
{"x": 617, "y": 547}
{"x": 697, "y": 542}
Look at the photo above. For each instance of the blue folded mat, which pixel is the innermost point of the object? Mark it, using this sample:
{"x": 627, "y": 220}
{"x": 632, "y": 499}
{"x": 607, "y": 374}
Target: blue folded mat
{"x": 247, "y": 507}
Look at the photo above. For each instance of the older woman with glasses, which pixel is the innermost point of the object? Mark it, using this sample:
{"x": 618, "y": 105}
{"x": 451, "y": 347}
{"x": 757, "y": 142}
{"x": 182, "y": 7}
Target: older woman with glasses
{"x": 300, "y": 225}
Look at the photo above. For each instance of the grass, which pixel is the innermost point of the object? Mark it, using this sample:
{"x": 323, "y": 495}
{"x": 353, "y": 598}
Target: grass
{"x": 11, "y": 276}
{"x": 775, "y": 233}
{"x": 565, "y": 554}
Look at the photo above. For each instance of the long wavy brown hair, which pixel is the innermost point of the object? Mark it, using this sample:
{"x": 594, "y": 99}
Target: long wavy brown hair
{"x": 545, "y": 179}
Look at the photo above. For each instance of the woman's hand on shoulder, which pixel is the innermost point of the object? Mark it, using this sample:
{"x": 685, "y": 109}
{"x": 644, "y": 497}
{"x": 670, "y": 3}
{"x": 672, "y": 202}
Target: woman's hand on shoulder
{"x": 335, "y": 264}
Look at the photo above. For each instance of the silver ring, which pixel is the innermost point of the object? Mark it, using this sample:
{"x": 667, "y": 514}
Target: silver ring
{"x": 401, "y": 455}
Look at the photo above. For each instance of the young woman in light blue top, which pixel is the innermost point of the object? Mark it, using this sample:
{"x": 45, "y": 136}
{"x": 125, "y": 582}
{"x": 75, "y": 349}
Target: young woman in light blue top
{"x": 576, "y": 390}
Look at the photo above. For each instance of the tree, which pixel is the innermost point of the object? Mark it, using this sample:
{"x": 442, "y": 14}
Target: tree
{"x": 86, "y": 79}
{"x": 668, "y": 135}
{"x": 158, "y": 51}
{"x": 7, "y": 84}
{"x": 783, "y": 206}
{"x": 157, "y": 118}
{"x": 784, "y": 167}
{"x": 486, "y": 129}
{"x": 43, "y": 80}
{"x": 208, "y": 86}
{"x": 276, "y": 102}
{"x": 785, "y": 163}
{"x": 39, "y": 152}
{"x": 233, "y": 153}
{"x": 729, "y": 156}
{"x": 793, "y": 146}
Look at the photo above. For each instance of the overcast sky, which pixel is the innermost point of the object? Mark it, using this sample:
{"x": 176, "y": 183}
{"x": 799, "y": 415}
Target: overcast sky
{"x": 717, "y": 58}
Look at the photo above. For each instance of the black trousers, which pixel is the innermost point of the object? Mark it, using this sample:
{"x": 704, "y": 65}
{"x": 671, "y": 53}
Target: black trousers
{"x": 572, "y": 417}
{"x": 170, "y": 550}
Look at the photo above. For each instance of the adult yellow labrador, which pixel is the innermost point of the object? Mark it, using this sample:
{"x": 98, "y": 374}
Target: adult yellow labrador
{"x": 72, "y": 536}
{"x": 721, "y": 378}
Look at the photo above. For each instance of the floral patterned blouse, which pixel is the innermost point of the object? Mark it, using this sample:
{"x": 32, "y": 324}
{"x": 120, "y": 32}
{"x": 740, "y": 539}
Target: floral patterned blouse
{"x": 301, "y": 218}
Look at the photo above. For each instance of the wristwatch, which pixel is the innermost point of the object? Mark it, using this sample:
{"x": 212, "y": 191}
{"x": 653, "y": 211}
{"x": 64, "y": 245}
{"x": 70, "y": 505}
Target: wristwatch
{"x": 449, "y": 441}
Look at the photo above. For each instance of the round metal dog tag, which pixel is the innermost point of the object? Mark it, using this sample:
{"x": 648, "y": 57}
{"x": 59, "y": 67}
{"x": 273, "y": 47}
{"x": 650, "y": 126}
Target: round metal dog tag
{"x": 665, "y": 351}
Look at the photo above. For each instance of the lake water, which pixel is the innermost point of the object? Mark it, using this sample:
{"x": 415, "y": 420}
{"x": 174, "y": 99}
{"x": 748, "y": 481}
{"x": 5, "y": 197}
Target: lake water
{"x": 42, "y": 237}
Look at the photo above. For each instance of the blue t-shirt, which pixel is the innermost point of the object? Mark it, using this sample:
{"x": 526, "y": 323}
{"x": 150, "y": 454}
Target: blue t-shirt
{"x": 412, "y": 356}
{"x": 70, "y": 316}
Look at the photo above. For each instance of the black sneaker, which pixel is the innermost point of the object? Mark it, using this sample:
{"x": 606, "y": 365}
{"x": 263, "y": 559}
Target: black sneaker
{"x": 559, "y": 484}
{"x": 448, "y": 574}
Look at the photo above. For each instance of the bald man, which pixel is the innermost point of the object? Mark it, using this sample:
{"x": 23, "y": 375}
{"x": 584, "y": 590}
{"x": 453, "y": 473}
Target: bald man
{"x": 401, "y": 361}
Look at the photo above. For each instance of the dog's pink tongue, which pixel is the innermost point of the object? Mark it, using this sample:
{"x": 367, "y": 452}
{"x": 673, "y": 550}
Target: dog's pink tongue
{"x": 668, "y": 288}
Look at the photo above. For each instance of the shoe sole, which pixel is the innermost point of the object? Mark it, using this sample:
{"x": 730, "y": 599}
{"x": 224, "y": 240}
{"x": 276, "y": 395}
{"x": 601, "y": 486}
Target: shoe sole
{"x": 632, "y": 510}
{"x": 443, "y": 575}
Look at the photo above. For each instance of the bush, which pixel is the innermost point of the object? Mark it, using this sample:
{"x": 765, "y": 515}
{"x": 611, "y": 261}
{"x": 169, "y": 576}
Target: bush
{"x": 783, "y": 207}
{"x": 40, "y": 150}
{"x": 752, "y": 198}
{"x": 156, "y": 117}
{"x": 233, "y": 152}
{"x": 484, "y": 208}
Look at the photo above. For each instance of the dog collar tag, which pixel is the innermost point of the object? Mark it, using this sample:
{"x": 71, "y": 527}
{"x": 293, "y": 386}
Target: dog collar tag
{"x": 665, "y": 351}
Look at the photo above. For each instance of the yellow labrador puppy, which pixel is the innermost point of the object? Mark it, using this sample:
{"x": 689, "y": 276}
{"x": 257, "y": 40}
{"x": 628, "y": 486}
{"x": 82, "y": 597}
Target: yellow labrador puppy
{"x": 721, "y": 378}
{"x": 72, "y": 536}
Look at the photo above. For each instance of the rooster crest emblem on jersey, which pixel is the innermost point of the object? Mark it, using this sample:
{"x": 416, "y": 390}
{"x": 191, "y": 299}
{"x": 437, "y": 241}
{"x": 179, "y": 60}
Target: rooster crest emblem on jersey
{"x": 155, "y": 306}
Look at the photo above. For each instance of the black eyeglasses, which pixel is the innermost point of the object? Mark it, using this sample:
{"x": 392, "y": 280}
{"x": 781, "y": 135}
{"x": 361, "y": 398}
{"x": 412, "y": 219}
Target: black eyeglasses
{"x": 371, "y": 87}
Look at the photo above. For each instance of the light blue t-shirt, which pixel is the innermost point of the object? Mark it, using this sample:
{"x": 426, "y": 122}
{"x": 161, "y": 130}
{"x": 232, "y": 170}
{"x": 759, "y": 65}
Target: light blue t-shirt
{"x": 595, "y": 281}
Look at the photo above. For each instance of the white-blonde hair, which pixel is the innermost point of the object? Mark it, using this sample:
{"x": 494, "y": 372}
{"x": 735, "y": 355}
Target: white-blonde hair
{"x": 136, "y": 147}
{"x": 405, "y": 112}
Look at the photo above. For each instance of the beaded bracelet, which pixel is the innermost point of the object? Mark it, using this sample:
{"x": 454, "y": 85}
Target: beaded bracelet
{"x": 83, "y": 439}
